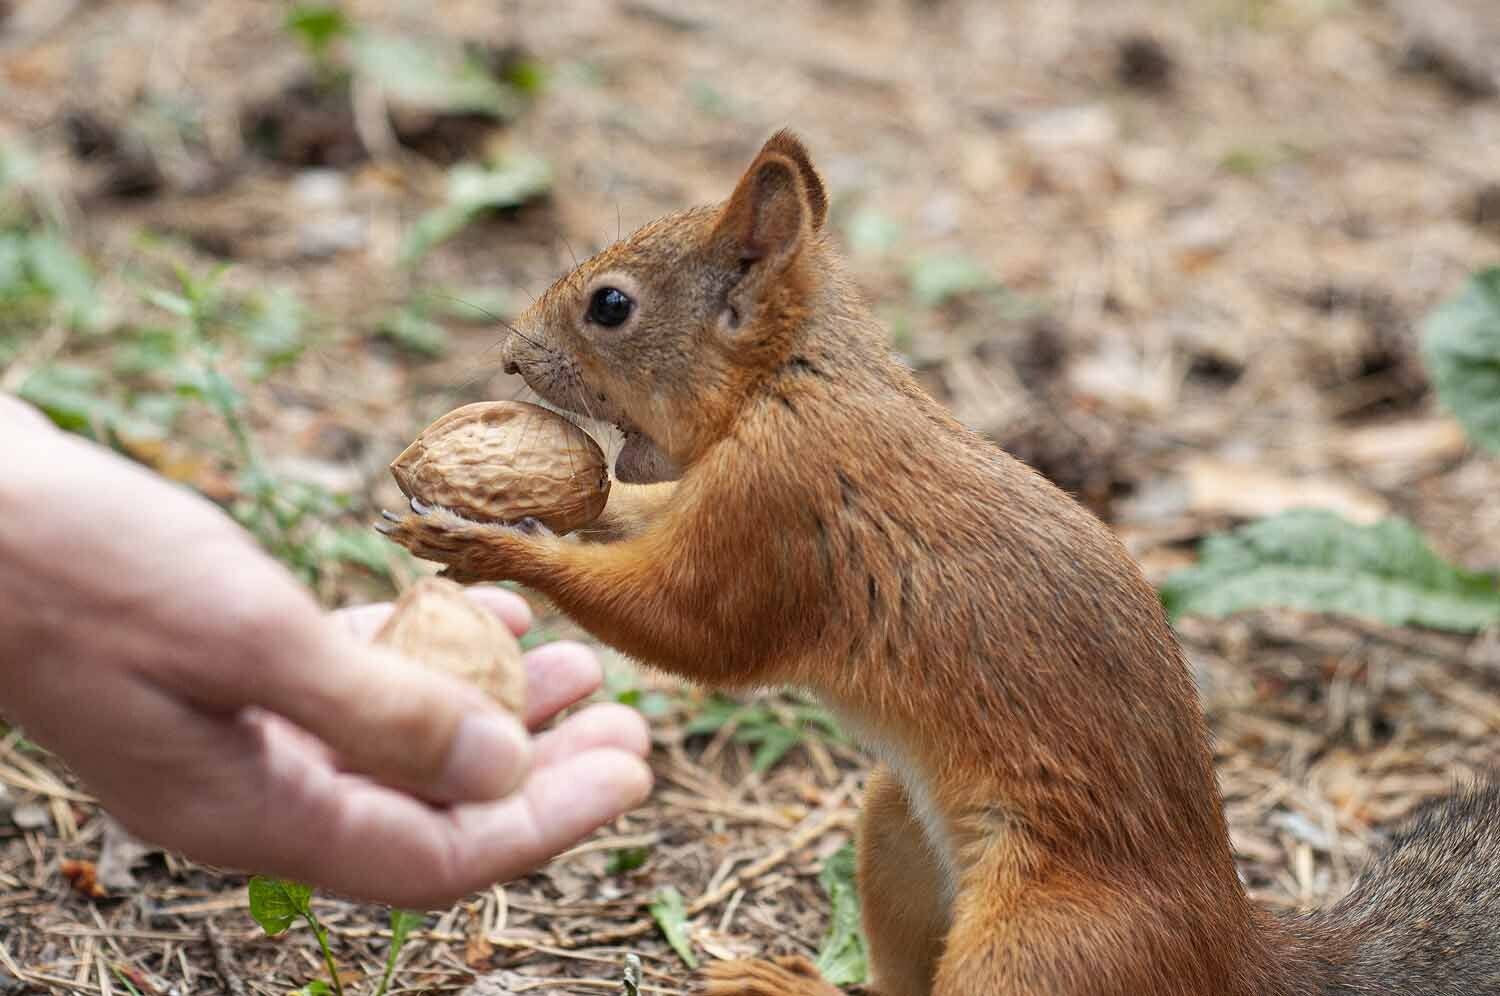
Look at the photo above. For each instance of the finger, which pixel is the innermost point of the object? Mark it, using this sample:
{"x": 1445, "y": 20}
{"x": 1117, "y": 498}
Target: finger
{"x": 603, "y": 726}
{"x": 606, "y": 724}
{"x": 380, "y": 846}
{"x": 424, "y": 732}
{"x": 20, "y": 413}
{"x": 558, "y": 675}
{"x": 364, "y": 621}
{"x": 506, "y": 604}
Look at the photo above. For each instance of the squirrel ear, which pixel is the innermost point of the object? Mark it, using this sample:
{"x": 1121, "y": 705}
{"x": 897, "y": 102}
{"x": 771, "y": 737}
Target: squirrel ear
{"x": 789, "y": 145}
{"x": 778, "y": 200}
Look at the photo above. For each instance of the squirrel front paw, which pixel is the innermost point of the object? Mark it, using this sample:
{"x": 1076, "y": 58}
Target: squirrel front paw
{"x": 789, "y": 976}
{"x": 472, "y": 551}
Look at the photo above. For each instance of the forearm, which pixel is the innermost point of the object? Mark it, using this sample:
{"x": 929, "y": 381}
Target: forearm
{"x": 639, "y": 595}
{"x": 631, "y": 510}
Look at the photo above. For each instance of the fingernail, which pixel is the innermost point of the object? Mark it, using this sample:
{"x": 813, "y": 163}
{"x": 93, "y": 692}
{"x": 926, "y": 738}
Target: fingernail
{"x": 488, "y": 759}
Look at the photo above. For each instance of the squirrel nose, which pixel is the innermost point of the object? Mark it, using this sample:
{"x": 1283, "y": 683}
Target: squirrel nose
{"x": 512, "y": 367}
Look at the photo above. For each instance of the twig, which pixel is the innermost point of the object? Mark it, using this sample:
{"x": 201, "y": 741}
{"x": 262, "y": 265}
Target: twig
{"x": 814, "y": 827}
{"x": 220, "y": 952}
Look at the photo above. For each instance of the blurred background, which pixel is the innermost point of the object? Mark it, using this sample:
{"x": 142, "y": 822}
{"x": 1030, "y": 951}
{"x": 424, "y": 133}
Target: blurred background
{"x": 1192, "y": 260}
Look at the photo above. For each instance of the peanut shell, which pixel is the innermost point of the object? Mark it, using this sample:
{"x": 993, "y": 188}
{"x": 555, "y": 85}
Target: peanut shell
{"x": 437, "y": 625}
{"x": 503, "y": 461}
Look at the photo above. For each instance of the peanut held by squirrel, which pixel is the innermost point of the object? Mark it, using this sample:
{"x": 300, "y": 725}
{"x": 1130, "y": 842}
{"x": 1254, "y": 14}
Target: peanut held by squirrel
{"x": 791, "y": 509}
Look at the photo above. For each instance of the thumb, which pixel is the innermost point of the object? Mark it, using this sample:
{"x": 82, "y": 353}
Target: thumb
{"x": 387, "y": 717}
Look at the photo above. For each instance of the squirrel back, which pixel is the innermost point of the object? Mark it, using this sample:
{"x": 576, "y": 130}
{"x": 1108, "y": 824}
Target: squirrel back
{"x": 792, "y": 508}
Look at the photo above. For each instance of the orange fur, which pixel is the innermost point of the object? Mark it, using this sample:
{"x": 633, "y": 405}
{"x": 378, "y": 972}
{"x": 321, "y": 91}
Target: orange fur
{"x": 1047, "y": 819}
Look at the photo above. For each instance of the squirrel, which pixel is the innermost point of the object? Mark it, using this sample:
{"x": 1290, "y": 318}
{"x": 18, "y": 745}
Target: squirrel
{"x": 792, "y": 509}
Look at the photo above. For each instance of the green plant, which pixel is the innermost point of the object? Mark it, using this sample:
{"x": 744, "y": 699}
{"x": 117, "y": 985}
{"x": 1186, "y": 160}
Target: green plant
{"x": 626, "y": 859}
{"x": 318, "y": 26}
{"x": 424, "y": 74}
{"x": 475, "y": 189}
{"x": 277, "y": 904}
{"x": 287, "y": 516}
{"x": 842, "y": 956}
{"x": 622, "y": 685}
{"x": 1315, "y": 560}
{"x": 671, "y": 916}
{"x": 1461, "y": 347}
{"x": 772, "y": 728}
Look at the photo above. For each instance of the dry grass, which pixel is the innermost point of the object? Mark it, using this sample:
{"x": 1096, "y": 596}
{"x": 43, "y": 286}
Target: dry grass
{"x": 1224, "y": 255}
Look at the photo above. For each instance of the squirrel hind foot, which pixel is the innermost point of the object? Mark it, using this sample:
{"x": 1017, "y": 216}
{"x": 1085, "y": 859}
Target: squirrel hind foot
{"x": 789, "y": 976}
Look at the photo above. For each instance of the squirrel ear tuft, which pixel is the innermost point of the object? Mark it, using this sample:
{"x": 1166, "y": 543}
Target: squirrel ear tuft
{"x": 776, "y": 203}
{"x": 788, "y": 144}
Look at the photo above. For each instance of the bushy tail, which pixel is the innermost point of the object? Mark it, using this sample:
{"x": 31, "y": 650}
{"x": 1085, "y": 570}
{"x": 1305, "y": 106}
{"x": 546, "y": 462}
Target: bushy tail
{"x": 1424, "y": 918}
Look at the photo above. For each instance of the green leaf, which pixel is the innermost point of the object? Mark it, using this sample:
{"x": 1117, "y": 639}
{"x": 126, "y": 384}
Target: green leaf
{"x": 414, "y": 331}
{"x": 359, "y": 545}
{"x": 62, "y": 271}
{"x": 276, "y": 903}
{"x": 527, "y": 75}
{"x": 842, "y": 957}
{"x": 715, "y": 714}
{"x": 507, "y": 183}
{"x": 424, "y": 75}
{"x": 872, "y": 233}
{"x": 317, "y": 987}
{"x": 70, "y": 396}
{"x": 473, "y": 190}
{"x": 169, "y": 301}
{"x": 434, "y": 228}
{"x": 626, "y": 859}
{"x": 1461, "y": 347}
{"x": 936, "y": 279}
{"x": 671, "y": 916}
{"x": 774, "y": 742}
{"x": 273, "y": 328}
{"x": 403, "y": 922}
{"x": 317, "y": 24}
{"x": 1312, "y": 559}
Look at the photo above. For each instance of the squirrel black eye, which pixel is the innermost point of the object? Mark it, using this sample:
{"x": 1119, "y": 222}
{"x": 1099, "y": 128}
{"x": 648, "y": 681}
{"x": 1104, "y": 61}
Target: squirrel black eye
{"x": 609, "y": 307}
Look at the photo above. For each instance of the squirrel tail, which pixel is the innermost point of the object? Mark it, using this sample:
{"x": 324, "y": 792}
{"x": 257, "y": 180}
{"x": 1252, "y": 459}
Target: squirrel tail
{"x": 1423, "y": 919}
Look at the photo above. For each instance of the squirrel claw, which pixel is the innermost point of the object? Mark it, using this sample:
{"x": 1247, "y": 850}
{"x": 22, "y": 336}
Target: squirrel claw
{"x": 787, "y": 976}
{"x": 419, "y": 506}
{"x": 531, "y": 527}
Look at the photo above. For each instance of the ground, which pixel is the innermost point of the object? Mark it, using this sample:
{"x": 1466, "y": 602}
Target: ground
{"x": 1176, "y": 255}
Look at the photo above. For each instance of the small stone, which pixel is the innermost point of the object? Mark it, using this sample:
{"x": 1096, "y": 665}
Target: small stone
{"x": 320, "y": 188}
{"x": 330, "y": 236}
{"x": 31, "y": 816}
{"x": 1071, "y": 127}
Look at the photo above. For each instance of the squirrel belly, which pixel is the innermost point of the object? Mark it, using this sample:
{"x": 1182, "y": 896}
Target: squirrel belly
{"x": 1045, "y": 818}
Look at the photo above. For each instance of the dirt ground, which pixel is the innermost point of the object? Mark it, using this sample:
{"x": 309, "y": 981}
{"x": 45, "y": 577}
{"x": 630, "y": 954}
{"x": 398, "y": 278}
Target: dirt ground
{"x": 1176, "y": 255}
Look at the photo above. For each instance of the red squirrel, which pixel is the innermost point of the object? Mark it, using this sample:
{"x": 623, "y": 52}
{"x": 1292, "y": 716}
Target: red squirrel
{"x": 791, "y": 509}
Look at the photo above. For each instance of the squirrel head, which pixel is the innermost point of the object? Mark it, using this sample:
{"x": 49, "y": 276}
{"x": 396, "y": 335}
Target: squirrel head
{"x": 670, "y": 332}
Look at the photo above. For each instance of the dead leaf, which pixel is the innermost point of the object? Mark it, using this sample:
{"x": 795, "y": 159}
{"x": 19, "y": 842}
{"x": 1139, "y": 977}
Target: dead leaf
{"x": 118, "y": 854}
{"x": 1249, "y": 491}
{"x": 1406, "y": 447}
{"x": 81, "y": 875}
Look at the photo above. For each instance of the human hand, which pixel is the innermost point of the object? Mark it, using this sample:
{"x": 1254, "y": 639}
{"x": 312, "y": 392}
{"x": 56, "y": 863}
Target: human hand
{"x": 215, "y": 710}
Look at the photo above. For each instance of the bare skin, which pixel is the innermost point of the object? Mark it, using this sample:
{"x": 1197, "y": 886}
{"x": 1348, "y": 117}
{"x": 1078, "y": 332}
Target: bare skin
{"x": 214, "y": 709}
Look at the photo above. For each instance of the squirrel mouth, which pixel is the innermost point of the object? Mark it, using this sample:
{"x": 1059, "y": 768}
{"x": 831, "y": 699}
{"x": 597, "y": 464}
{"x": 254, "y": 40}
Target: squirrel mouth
{"x": 641, "y": 461}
